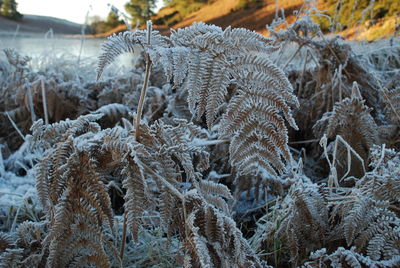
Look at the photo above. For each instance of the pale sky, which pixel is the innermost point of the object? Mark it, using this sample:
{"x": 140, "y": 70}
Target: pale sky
{"x": 73, "y": 10}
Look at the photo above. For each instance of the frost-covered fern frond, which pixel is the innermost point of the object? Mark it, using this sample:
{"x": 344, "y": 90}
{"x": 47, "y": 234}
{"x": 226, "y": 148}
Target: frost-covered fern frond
{"x": 302, "y": 31}
{"x": 347, "y": 258}
{"x": 215, "y": 194}
{"x": 259, "y": 135}
{"x": 154, "y": 172}
{"x": 357, "y": 217}
{"x": 112, "y": 114}
{"x": 5, "y": 241}
{"x": 212, "y": 238}
{"x": 365, "y": 220}
{"x": 298, "y": 224}
{"x": 49, "y": 135}
{"x": 219, "y": 58}
{"x": 215, "y": 57}
{"x": 16, "y": 60}
{"x": 383, "y": 182}
{"x": 11, "y": 257}
{"x": 81, "y": 211}
{"x": 351, "y": 119}
{"x": 365, "y": 217}
{"x": 206, "y": 60}
{"x": 392, "y": 100}
{"x": 126, "y": 42}
{"x": 26, "y": 250}
{"x": 369, "y": 211}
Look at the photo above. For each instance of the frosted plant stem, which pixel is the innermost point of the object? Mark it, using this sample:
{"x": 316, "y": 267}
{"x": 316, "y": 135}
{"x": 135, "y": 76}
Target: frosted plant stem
{"x": 16, "y": 33}
{"x": 145, "y": 84}
{"x": 82, "y": 38}
{"x": 137, "y": 123}
{"x": 302, "y": 75}
{"x": 2, "y": 168}
{"x": 15, "y": 126}
{"x": 121, "y": 252}
{"x": 46, "y": 115}
{"x": 292, "y": 57}
{"x": 30, "y": 99}
{"x": 391, "y": 104}
{"x": 14, "y": 224}
{"x": 170, "y": 187}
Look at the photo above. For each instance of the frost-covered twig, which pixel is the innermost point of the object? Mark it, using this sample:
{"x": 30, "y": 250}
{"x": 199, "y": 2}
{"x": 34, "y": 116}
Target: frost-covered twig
{"x": 44, "y": 98}
{"x": 145, "y": 84}
{"x": 15, "y": 126}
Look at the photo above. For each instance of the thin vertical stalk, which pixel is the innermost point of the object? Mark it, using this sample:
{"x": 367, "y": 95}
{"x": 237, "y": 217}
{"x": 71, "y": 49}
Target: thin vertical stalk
{"x": 15, "y": 126}
{"x": 31, "y": 106}
{"x": 299, "y": 92}
{"x": 145, "y": 84}
{"x": 137, "y": 122}
{"x": 124, "y": 227}
{"x": 2, "y": 168}
{"x": 44, "y": 99}
{"x": 83, "y": 28}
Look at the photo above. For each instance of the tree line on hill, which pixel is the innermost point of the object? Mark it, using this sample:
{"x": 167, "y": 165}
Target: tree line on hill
{"x": 142, "y": 10}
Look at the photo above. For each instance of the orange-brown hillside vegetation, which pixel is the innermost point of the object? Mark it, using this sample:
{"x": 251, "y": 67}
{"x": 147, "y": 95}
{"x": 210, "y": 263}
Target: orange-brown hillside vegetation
{"x": 221, "y": 13}
{"x": 257, "y": 15}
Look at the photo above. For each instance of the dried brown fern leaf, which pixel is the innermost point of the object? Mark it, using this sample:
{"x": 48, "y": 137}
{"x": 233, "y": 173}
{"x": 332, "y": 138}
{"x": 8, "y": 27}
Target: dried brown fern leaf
{"x": 124, "y": 43}
{"x": 137, "y": 198}
{"x": 112, "y": 114}
{"x": 17, "y": 61}
{"x": 80, "y": 215}
{"x": 367, "y": 219}
{"x": 30, "y": 235}
{"x": 26, "y": 251}
{"x": 384, "y": 181}
{"x": 259, "y": 133}
{"x": 5, "y": 241}
{"x": 210, "y": 60}
{"x": 347, "y": 258}
{"x": 359, "y": 212}
{"x": 392, "y": 98}
{"x": 352, "y": 120}
{"x": 49, "y": 182}
{"x": 215, "y": 57}
{"x": 71, "y": 189}
{"x": 11, "y": 258}
{"x": 215, "y": 194}
{"x": 213, "y": 239}
{"x": 294, "y": 226}
{"x": 48, "y": 135}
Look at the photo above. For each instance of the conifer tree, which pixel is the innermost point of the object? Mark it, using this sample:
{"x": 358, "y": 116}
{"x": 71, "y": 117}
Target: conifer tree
{"x": 140, "y": 10}
{"x": 9, "y": 9}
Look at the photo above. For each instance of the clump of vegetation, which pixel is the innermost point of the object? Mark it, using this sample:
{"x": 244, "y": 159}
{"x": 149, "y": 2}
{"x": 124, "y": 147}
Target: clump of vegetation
{"x": 180, "y": 9}
{"x": 243, "y": 4}
{"x": 222, "y": 148}
{"x": 97, "y": 25}
{"x": 187, "y": 7}
{"x": 140, "y": 10}
{"x": 348, "y": 13}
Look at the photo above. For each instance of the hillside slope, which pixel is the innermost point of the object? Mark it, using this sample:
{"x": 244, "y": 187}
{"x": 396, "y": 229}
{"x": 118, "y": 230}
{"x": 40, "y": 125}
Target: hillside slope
{"x": 39, "y": 24}
{"x": 255, "y": 17}
{"x": 259, "y": 14}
